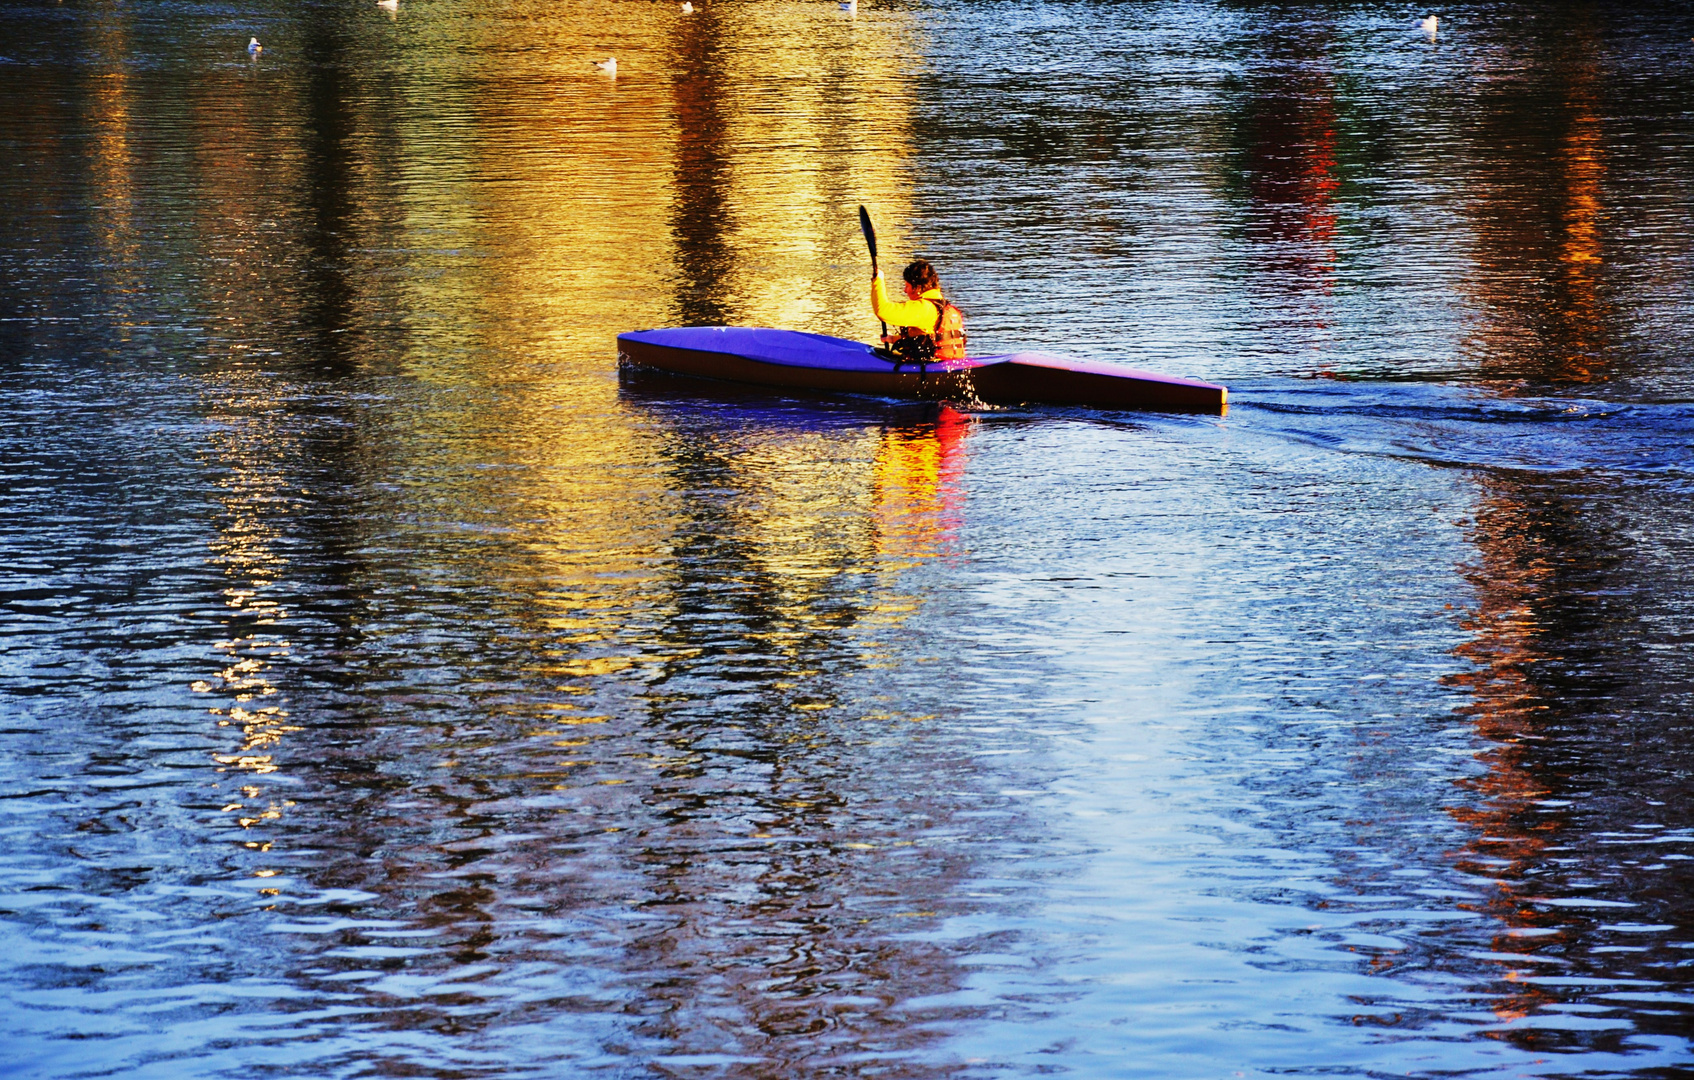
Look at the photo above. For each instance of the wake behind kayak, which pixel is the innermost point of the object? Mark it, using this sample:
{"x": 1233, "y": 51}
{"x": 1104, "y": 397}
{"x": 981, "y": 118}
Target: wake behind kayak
{"x": 794, "y": 360}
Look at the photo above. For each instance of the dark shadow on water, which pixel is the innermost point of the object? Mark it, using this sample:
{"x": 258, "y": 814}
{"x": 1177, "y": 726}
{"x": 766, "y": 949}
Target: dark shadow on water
{"x": 701, "y": 219}
{"x": 718, "y": 401}
{"x": 681, "y": 396}
{"x": 330, "y": 163}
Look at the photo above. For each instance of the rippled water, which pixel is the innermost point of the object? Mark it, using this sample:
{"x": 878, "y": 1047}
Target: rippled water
{"x": 389, "y": 687}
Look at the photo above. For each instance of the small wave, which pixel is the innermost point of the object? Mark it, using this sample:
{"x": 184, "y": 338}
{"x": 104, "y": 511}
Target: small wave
{"x": 1461, "y": 428}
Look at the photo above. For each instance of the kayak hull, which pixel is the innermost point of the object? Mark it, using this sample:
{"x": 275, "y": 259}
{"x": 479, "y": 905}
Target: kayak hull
{"x": 792, "y": 360}
{"x": 909, "y": 382}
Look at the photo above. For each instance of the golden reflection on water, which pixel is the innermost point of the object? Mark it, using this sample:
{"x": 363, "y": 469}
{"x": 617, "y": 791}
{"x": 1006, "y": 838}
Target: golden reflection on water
{"x": 506, "y": 227}
{"x": 254, "y": 500}
{"x": 502, "y": 236}
{"x": 113, "y": 165}
{"x": 254, "y": 489}
{"x": 809, "y": 117}
{"x": 714, "y": 180}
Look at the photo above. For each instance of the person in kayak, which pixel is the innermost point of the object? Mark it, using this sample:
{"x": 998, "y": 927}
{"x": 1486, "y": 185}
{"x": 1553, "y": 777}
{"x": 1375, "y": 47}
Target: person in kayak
{"x": 929, "y": 327}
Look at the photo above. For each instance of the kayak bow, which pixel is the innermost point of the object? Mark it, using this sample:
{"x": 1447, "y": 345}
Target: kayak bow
{"x": 794, "y": 360}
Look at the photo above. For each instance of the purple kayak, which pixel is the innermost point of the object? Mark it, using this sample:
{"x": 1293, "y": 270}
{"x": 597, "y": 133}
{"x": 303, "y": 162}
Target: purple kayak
{"x": 793, "y": 360}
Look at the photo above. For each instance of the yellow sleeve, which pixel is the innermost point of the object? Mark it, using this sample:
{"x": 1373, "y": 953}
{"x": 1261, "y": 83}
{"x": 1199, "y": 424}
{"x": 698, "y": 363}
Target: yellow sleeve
{"x": 919, "y": 313}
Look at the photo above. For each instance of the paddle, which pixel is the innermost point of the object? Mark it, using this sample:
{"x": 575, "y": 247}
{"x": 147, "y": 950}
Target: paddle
{"x": 869, "y": 230}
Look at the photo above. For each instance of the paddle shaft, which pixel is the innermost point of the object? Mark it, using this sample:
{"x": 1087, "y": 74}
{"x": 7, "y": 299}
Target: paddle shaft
{"x": 869, "y": 230}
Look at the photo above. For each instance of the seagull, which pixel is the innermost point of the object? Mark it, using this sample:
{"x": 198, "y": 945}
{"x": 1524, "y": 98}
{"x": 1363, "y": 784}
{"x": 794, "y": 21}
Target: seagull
{"x": 608, "y": 65}
{"x": 687, "y": 8}
{"x": 1429, "y": 24}
{"x": 253, "y": 46}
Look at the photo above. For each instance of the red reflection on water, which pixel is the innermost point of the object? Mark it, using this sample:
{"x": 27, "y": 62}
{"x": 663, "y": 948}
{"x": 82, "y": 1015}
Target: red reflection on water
{"x": 1293, "y": 178}
{"x": 1540, "y": 226}
{"x": 1581, "y": 160}
{"x": 1516, "y": 576}
{"x": 1541, "y": 259}
{"x": 917, "y": 486}
{"x": 1289, "y": 164}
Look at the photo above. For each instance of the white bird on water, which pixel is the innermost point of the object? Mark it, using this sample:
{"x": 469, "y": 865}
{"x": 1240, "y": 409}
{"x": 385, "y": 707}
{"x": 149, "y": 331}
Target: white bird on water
{"x": 1429, "y": 24}
{"x": 608, "y": 65}
{"x": 687, "y": 8}
{"x": 253, "y": 46}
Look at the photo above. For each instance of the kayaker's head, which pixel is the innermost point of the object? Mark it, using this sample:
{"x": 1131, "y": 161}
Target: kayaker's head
{"x": 920, "y": 278}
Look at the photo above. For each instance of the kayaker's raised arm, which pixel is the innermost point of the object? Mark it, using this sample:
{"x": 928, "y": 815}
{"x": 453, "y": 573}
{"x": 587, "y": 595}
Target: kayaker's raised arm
{"x": 913, "y": 311}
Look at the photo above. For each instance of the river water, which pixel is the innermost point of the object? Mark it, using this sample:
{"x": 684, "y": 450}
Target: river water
{"x": 389, "y": 686}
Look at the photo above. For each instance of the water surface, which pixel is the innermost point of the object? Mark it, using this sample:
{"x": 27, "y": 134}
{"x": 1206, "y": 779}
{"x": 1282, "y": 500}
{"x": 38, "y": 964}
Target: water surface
{"x": 391, "y": 686}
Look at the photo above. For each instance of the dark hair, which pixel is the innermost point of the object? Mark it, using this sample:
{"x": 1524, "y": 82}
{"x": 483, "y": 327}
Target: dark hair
{"x": 921, "y": 276}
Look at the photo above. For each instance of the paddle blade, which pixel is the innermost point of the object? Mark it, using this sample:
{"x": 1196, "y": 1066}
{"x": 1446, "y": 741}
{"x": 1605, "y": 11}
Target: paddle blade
{"x": 869, "y": 230}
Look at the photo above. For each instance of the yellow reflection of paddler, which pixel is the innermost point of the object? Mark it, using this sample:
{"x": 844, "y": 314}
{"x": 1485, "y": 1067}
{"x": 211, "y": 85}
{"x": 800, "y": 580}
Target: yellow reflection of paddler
{"x": 916, "y": 487}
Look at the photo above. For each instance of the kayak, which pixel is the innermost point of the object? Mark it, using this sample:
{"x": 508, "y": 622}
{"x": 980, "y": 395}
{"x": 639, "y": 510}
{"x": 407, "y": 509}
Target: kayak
{"x": 794, "y": 360}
